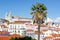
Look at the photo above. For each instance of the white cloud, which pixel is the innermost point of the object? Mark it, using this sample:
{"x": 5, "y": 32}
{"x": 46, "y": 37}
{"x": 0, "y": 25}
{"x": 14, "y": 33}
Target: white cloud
{"x": 57, "y": 20}
{"x": 49, "y": 20}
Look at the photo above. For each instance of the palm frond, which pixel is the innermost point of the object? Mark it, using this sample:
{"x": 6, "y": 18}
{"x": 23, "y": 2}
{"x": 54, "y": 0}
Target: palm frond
{"x": 39, "y": 13}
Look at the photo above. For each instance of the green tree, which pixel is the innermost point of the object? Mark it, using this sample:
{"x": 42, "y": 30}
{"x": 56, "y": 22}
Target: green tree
{"x": 39, "y": 15}
{"x": 12, "y": 38}
{"x": 27, "y": 38}
{"x": 23, "y": 38}
{"x": 6, "y": 21}
{"x": 16, "y": 38}
{"x": 33, "y": 39}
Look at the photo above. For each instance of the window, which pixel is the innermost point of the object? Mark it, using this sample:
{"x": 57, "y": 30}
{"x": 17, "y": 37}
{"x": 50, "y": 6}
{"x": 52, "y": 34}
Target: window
{"x": 18, "y": 31}
{"x": 18, "y": 26}
{"x": 10, "y": 26}
{"x": 15, "y": 31}
{"x": 22, "y": 28}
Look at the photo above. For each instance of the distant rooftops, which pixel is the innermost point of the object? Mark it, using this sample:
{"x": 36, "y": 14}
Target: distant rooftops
{"x": 19, "y": 22}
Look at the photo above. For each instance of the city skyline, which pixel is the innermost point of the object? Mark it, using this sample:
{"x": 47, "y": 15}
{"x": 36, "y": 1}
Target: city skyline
{"x": 23, "y": 7}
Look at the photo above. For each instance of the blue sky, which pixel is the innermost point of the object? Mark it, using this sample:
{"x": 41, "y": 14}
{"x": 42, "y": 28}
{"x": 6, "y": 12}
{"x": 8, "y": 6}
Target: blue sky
{"x": 23, "y": 7}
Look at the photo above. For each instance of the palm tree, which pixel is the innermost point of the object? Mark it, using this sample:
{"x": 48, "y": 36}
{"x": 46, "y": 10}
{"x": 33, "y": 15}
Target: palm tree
{"x": 39, "y": 15}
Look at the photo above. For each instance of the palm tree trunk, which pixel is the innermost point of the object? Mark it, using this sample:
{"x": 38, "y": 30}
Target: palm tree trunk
{"x": 38, "y": 31}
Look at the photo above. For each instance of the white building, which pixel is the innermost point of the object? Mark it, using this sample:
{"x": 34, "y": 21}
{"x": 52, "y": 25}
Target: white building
{"x": 12, "y": 18}
{"x": 18, "y": 27}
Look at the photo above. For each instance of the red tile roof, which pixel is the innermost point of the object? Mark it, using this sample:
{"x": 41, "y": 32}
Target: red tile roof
{"x": 41, "y": 25}
{"x": 4, "y": 37}
{"x": 4, "y": 26}
{"x": 50, "y": 36}
{"x": 3, "y": 32}
{"x": 19, "y": 22}
{"x": 29, "y": 30}
{"x": 8, "y": 37}
{"x": 16, "y": 35}
{"x": 57, "y": 39}
{"x": 44, "y": 30}
{"x": 56, "y": 35}
{"x": 36, "y": 32}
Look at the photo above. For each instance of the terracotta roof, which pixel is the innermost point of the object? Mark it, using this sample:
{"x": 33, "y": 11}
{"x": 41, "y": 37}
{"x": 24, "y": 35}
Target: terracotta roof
{"x": 57, "y": 39}
{"x": 8, "y": 37}
{"x": 29, "y": 30}
{"x": 55, "y": 35}
{"x": 36, "y": 32}
{"x": 19, "y": 22}
{"x": 4, "y": 38}
{"x": 3, "y": 32}
{"x": 3, "y": 26}
{"x": 15, "y": 35}
{"x": 41, "y": 25}
{"x": 48, "y": 37}
{"x": 56, "y": 30}
{"x": 44, "y": 30}
{"x": 50, "y": 26}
